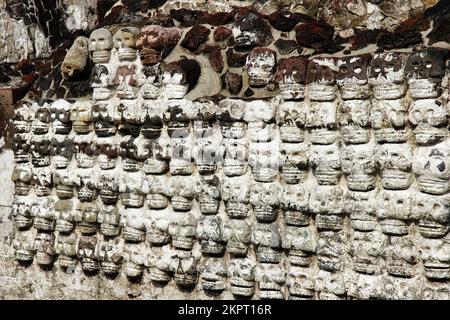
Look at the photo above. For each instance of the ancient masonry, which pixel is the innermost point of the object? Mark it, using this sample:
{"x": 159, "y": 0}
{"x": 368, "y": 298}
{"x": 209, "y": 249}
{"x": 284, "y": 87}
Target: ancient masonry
{"x": 227, "y": 154}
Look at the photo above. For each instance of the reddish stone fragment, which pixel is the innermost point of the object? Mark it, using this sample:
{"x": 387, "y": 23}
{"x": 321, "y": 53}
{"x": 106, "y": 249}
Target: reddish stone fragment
{"x": 235, "y": 59}
{"x": 222, "y": 33}
{"x": 215, "y": 57}
{"x": 195, "y": 37}
{"x": 313, "y": 34}
{"x": 232, "y": 82}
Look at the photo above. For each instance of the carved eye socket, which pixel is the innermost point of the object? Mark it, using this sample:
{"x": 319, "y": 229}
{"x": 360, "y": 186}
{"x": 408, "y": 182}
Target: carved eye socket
{"x": 344, "y": 69}
{"x": 377, "y": 69}
{"x": 357, "y": 70}
{"x": 428, "y": 65}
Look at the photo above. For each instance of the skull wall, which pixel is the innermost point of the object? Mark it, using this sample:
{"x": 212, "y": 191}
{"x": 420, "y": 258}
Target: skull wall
{"x": 336, "y": 186}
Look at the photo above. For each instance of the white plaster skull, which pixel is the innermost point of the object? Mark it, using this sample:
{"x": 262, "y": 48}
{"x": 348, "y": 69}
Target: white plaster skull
{"x": 100, "y": 45}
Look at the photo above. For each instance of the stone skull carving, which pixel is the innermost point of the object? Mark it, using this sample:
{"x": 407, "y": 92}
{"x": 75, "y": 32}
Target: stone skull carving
{"x": 104, "y": 117}
{"x": 22, "y": 176}
{"x": 301, "y": 243}
{"x": 366, "y": 251}
{"x": 264, "y": 198}
{"x": 86, "y": 185}
{"x": 300, "y": 283}
{"x": 389, "y": 120}
{"x": 242, "y": 277}
{"x": 41, "y": 120}
{"x": 352, "y": 77}
{"x": 362, "y": 207}
{"x": 235, "y": 155}
{"x": 76, "y": 58}
{"x": 294, "y": 201}
{"x": 358, "y": 166}
{"x": 354, "y": 120}
{"x": 66, "y": 249}
{"x": 125, "y": 43}
{"x": 87, "y": 252}
{"x": 322, "y": 121}
{"x": 23, "y": 246}
{"x": 23, "y": 116}
{"x": 181, "y": 195}
{"x": 81, "y": 116}
{"x": 108, "y": 185}
{"x": 433, "y": 214}
{"x": 101, "y": 83}
{"x": 236, "y": 195}
{"x": 213, "y": 272}
{"x": 267, "y": 239}
{"x": 294, "y": 162}
{"x": 264, "y": 160}
{"x": 21, "y": 146}
{"x": 134, "y": 221}
{"x": 327, "y": 203}
{"x": 133, "y": 187}
{"x": 64, "y": 182}
{"x": 401, "y": 256}
{"x": 260, "y": 116}
{"x": 110, "y": 255}
{"x": 86, "y": 217}
{"x": 44, "y": 214}
{"x": 179, "y": 77}
{"x": 271, "y": 278}
{"x": 291, "y": 120}
{"x": 231, "y": 118}
{"x": 237, "y": 234}
{"x": 208, "y": 194}
{"x": 84, "y": 149}
{"x": 61, "y": 150}
{"x": 134, "y": 151}
{"x": 158, "y": 228}
{"x": 330, "y": 250}
{"x": 395, "y": 164}
{"x": 135, "y": 256}
{"x": 431, "y": 167}
{"x": 326, "y": 164}
{"x": 107, "y": 152}
{"x": 183, "y": 230}
{"x": 429, "y": 118}
{"x": 394, "y": 211}
{"x": 290, "y": 77}
{"x": 320, "y": 78}
{"x": 100, "y": 45}
{"x": 65, "y": 215}
{"x": 155, "y": 42}
{"x": 22, "y": 213}
{"x": 424, "y": 71}
{"x": 386, "y": 75}
{"x": 40, "y": 150}
{"x": 210, "y": 235}
{"x": 109, "y": 219}
{"x": 43, "y": 245}
{"x": 260, "y": 66}
{"x": 436, "y": 259}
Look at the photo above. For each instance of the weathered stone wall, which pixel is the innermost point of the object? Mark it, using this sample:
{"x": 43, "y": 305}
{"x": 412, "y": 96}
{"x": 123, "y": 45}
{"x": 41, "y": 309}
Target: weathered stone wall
{"x": 159, "y": 149}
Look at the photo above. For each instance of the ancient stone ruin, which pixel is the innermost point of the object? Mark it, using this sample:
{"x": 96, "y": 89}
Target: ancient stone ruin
{"x": 227, "y": 149}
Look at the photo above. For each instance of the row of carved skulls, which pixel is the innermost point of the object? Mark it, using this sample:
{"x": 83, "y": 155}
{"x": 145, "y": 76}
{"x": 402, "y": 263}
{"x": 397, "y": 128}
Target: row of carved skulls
{"x": 392, "y": 121}
{"x": 396, "y": 165}
{"x": 141, "y": 202}
{"x": 386, "y": 73}
{"x": 370, "y": 253}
